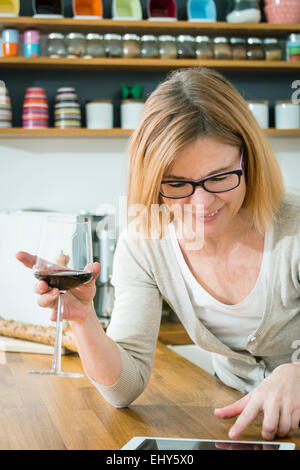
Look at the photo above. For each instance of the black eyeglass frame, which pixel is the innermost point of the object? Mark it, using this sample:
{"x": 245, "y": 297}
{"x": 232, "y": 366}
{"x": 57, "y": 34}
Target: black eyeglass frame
{"x": 201, "y": 182}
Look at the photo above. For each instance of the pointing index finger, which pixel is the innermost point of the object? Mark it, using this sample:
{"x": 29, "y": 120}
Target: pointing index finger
{"x": 248, "y": 415}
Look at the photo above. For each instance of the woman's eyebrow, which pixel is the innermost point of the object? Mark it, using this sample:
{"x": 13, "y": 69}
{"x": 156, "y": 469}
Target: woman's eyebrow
{"x": 220, "y": 170}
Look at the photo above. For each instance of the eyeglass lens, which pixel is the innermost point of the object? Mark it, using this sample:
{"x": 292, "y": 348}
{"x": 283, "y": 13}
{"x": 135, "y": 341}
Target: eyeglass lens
{"x": 215, "y": 184}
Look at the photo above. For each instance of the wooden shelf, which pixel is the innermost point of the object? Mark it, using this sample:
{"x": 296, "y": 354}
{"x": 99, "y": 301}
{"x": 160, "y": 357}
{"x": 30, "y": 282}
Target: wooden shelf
{"x": 19, "y": 132}
{"x": 282, "y": 132}
{"x": 53, "y": 132}
{"x": 146, "y": 64}
{"x": 146, "y": 26}
{"x": 46, "y": 25}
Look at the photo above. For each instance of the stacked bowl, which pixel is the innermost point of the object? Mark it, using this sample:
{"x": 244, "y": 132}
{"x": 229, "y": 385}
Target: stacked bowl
{"x": 5, "y": 107}
{"x": 67, "y": 114}
{"x": 35, "y": 109}
{"x": 282, "y": 11}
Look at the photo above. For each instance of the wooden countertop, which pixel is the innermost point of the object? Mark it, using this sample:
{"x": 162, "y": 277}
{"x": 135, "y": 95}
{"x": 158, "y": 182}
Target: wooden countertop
{"x": 44, "y": 412}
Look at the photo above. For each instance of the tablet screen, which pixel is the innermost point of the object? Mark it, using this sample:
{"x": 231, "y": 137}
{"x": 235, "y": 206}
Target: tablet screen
{"x": 169, "y": 444}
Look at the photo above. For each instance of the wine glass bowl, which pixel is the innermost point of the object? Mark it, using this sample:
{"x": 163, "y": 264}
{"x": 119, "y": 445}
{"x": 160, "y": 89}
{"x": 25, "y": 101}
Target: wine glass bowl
{"x": 64, "y": 261}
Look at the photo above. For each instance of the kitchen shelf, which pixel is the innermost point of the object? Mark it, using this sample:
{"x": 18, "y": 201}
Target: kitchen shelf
{"x": 19, "y": 132}
{"x": 146, "y": 26}
{"x": 145, "y": 64}
{"x": 53, "y": 132}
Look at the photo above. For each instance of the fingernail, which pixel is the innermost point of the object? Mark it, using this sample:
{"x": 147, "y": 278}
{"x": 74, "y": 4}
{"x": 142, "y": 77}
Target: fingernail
{"x": 231, "y": 434}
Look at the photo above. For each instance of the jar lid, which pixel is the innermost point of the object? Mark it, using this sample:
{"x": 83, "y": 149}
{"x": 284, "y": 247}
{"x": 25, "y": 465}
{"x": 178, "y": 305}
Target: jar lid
{"x": 32, "y": 35}
{"x": 220, "y": 39}
{"x": 237, "y": 40}
{"x": 133, "y": 101}
{"x": 99, "y": 101}
{"x": 110, "y": 36}
{"x": 294, "y": 37}
{"x": 258, "y": 102}
{"x": 270, "y": 41}
{"x": 128, "y": 36}
{"x": 148, "y": 37}
{"x": 10, "y": 35}
{"x": 185, "y": 37}
{"x": 91, "y": 36}
{"x": 254, "y": 41}
{"x": 55, "y": 36}
{"x": 202, "y": 39}
{"x": 75, "y": 36}
{"x": 285, "y": 102}
{"x": 166, "y": 37}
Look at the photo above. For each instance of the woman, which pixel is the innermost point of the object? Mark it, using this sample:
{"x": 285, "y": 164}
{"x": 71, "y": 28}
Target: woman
{"x": 226, "y": 259}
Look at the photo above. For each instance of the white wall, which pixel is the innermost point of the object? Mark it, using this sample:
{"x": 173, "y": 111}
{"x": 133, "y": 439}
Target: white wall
{"x": 64, "y": 174}
{"x": 287, "y": 151}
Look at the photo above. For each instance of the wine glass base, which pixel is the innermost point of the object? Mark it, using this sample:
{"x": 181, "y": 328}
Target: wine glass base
{"x": 73, "y": 375}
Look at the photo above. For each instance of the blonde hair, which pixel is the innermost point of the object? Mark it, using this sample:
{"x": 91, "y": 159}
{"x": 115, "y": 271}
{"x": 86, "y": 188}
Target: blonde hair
{"x": 189, "y": 104}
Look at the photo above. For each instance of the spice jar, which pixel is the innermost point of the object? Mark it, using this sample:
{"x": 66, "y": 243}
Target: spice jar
{"x": 204, "y": 48}
{"x": 94, "y": 45}
{"x": 185, "y": 47}
{"x": 238, "y": 48}
{"x": 149, "y": 48}
{"x": 167, "y": 47}
{"x": 222, "y": 48}
{"x": 272, "y": 49}
{"x": 293, "y": 47}
{"x": 113, "y": 45}
{"x": 255, "y": 49}
{"x": 31, "y": 43}
{"x": 75, "y": 43}
{"x": 56, "y": 45}
{"x": 131, "y": 46}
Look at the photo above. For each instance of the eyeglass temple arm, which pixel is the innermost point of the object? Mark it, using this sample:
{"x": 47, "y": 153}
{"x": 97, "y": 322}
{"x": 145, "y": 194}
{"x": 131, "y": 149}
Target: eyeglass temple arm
{"x": 241, "y": 160}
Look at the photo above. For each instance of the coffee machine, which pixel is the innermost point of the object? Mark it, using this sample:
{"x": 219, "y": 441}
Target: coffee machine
{"x": 104, "y": 239}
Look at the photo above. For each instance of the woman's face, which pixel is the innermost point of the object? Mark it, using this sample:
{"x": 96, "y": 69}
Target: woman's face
{"x": 207, "y": 156}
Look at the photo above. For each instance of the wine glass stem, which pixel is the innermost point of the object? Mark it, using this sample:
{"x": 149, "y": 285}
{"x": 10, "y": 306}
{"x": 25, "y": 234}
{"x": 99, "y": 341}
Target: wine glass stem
{"x": 56, "y": 364}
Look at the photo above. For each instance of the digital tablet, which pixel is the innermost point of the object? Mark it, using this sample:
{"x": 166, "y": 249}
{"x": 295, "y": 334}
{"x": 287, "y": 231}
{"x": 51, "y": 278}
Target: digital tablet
{"x": 164, "y": 443}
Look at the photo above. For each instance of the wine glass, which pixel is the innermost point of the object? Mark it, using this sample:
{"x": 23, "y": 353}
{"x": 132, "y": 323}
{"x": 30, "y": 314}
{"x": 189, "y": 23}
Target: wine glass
{"x": 64, "y": 261}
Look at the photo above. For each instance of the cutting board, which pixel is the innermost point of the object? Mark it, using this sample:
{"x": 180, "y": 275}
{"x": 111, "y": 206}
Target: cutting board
{"x": 19, "y": 345}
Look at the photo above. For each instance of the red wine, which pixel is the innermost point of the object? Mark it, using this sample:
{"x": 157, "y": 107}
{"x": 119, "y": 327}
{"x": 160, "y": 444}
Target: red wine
{"x": 64, "y": 280}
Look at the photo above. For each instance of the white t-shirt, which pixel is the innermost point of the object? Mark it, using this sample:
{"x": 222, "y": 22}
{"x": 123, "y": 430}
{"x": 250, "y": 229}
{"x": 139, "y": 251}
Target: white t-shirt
{"x": 232, "y": 324}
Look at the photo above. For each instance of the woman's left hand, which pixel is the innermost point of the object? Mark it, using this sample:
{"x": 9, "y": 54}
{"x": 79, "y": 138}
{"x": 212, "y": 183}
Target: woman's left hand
{"x": 277, "y": 397}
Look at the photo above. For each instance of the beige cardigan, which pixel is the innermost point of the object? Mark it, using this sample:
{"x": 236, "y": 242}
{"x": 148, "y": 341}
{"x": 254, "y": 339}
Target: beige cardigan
{"x": 146, "y": 271}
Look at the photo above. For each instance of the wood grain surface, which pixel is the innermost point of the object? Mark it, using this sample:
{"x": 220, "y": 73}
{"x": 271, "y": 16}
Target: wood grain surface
{"x": 44, "y": 412}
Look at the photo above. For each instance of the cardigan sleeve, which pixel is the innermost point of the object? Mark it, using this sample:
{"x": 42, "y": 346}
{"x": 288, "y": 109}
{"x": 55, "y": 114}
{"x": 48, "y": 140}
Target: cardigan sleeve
{"x": 135, "y": 321}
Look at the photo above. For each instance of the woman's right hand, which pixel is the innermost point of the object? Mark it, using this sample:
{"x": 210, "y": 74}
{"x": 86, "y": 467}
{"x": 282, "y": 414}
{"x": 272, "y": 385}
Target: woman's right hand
{"x": 77, "y": 301}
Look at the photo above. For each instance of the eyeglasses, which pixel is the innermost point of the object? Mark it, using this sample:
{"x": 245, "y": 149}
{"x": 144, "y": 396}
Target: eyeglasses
{"x": 218, "y": 183}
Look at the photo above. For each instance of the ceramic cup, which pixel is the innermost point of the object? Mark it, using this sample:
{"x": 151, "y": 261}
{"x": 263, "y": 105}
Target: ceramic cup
{"x": 35, "y": 109}
{"x": 5, "y": 107}
{"x": 67, "y": 113}
{"x": 287, "y": 115}
{"x": 260, "y": 110}
{"x": 130, "y": 113}
{"x": 99, "y": 114}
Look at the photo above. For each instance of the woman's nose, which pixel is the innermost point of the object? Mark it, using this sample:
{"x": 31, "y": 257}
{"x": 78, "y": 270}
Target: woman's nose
{"x": 202, "y": 197}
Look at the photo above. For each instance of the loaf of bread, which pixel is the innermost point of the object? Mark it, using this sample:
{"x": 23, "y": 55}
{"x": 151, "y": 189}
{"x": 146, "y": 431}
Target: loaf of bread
{"x": 36, "y": 333}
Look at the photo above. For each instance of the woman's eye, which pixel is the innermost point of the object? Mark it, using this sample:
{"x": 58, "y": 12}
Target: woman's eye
{"x": 176, "y": 185}
{"x": 218, "y": 178}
